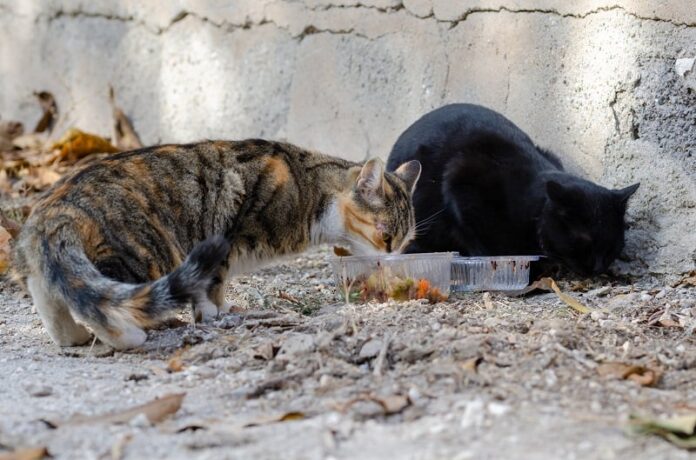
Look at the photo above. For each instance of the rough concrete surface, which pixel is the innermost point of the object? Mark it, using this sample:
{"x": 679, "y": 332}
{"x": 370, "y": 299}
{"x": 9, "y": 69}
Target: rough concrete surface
{"x": 597, "y": 81}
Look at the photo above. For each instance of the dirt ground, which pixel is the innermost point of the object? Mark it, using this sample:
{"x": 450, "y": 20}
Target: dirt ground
{"x": 296, "y": 374}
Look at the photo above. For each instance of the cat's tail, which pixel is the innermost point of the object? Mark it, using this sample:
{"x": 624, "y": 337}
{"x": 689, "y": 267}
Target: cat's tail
{"x": 118, "y": 311}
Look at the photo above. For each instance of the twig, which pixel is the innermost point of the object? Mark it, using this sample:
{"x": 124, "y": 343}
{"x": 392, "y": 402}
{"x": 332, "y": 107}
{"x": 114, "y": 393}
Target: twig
{"x": 381, "y": 358}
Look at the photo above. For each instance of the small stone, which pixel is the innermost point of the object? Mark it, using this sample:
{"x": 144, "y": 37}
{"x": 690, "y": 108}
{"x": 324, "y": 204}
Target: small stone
{"x": 39, "y": 391}
{"x": 296, "y": 344}
{"x": 498, "y": 409}
{"x": 370, "y": 349}
{"x": 661, "y": 294}
{"x": 687, "y": 303}
{"x": 229, "y": 321}
{"x": 599, "y": 292}
{"x": 140, "y": 421}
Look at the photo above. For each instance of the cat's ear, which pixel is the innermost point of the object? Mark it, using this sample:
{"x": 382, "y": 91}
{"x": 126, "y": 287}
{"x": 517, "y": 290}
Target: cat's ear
{"x": 370, "y": 182}
{"x": 559, "y": 194}
{"x": 625, "y": 193}
{"x": 409, "y": 172}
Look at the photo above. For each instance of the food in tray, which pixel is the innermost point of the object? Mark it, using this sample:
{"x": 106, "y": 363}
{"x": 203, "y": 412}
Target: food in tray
{"x": 382, "y": 285}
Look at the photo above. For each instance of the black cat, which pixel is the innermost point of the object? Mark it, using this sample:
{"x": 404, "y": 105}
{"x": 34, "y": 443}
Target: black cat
{"x": 486, "y": 189}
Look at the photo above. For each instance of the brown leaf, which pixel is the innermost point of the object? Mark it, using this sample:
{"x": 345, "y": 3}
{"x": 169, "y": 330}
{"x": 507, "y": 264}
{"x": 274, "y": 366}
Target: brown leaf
{"x": 76, "y": 144}
{"x": 32, "y": 453}
{"x": 155, "y": 411}
{"x": 125, "y": 136}
{"x": 276, "y": 418}
{"x": 50, "y": 110}
{"x": 548, "y": 284}
{"x": 391, "y": 404}
{"x": 341, "y": 251}
{"x": 680, "y": 430}
{"x": 175, "y": 364}
{"x": 471, "y": 364}
{"x": 688, "y": 280}
{"x": 265, "y": 351}
{"x": 641, "y": 375}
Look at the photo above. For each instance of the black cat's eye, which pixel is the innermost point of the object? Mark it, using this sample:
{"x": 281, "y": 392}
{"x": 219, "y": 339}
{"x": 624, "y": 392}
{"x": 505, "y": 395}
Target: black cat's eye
{"x": 388, "y": 241}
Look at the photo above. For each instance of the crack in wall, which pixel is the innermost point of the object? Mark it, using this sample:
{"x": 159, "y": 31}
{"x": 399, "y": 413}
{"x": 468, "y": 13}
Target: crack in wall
{"x": 602, "y": 9}
{"x": 311, "y": 28}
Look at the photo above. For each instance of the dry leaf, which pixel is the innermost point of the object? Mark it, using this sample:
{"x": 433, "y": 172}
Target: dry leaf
{"x": 28, "y": 142}
{"x": 125, "y": 136}
{"x": 5, "y": 250}
{"x": 264, "y": 351}
{"x": 688, "y": 280}
{"x": 284, "y": 417}
{"x": 390, "y": 404}
{"x": 641, "y": 375}
{"x": 76, "y": 144}
{"x": 679, "y": 430}
{"x": 155, "y": 411}
{"x": 548, "y": 284}
{"x": 471, "y": 364}
{"x": 50, "y": 110}
{"x": 341, "y": 251}
{"x": 487, "y": 302}
{"x": 175, "y": 364}
{"x": 34, "y": 453}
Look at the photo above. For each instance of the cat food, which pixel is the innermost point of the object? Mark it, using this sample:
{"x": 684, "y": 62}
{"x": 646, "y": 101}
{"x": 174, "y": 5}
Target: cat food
{"x": 503, "y": 273}
{"x": 393, "y": 276}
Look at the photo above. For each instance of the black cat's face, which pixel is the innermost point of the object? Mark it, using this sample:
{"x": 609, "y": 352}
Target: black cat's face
{"x": 582, "y": 225}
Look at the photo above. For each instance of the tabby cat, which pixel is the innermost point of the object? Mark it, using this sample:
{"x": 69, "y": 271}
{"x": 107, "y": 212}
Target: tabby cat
{"x": 122, "y": 242}
{"x": 486, "y": 189}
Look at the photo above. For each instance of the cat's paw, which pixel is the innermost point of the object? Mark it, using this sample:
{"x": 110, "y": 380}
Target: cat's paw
{"x": 204, "y": 310}
{"x": 226, "y": 307}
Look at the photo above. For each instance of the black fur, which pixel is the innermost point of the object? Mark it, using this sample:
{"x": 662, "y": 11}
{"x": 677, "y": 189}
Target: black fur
{"x": 486, "y": 189}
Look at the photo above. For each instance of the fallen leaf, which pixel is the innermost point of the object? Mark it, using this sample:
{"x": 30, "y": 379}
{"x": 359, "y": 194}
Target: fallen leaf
{"x": 548, "y": 284}
{"x": 50, "y": 110}
{"x": 32, "y": 453}
{"x": 679, "y": 430}
{"x": 487, "y": 302}
{"x": 643, "y": 376}
{"x": 31, "y": 142}
{"x": 341, "y": 251}
{"x": 76, "y": 144}
{"x": 175, "y": 364}
{"x": 265, "y": 351}
{"x": 283, "y": 417}
{"x": 125, "y": 136}
{"x": 155, "y": 411}
{"x": 119, "y": 446}
{"x": 688, "y": 280}
{"x": 471, "y": 364}
{"x": 391, "y": 404}
{"x": 5, "y": 250}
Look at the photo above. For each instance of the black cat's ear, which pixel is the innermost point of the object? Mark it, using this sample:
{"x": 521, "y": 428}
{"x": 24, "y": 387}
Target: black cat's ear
{"x": 625, "y": 193}
{"x": 370, "y": 182}
{"x": 560, "y": 194}
{"x": 409, "y": 172}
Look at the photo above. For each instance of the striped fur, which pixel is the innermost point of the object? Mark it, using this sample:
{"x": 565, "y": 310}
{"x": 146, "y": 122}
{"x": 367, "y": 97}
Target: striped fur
{"x": 123, "y": 242}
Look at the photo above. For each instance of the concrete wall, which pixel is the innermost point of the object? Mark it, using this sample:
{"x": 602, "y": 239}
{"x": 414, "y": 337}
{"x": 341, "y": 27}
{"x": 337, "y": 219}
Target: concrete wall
{"x": 593, "y": 80}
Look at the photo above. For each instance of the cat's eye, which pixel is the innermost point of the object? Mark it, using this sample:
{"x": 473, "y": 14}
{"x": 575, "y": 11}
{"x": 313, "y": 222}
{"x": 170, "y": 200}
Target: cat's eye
{"x": 388, "y": 241}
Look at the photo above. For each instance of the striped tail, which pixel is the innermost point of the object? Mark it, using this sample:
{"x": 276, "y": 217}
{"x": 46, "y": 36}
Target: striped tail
{"x": 116, "y": 311}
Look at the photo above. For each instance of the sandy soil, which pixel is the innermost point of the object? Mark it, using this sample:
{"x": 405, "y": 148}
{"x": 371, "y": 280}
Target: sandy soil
{"x": 481, "y": 376}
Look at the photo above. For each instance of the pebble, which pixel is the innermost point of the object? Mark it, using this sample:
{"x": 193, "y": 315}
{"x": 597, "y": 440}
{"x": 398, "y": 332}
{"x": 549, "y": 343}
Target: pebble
{"x": 296, "y": 344}
{"x": 370, "y": 349}
{"x": 600, "y": 292}
{"x": 38, "y": 391}
{"x": 661, "y": 294}
{"x": 140, "y": 421}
